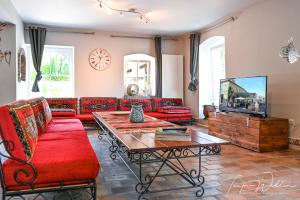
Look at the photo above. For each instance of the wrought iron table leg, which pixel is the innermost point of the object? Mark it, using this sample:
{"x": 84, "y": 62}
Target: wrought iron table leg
{"x": 114, "y": 148}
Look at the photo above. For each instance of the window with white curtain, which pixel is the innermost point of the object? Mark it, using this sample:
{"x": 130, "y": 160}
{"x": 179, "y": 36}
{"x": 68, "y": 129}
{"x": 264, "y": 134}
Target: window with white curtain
{"x": 211, "y": 70}
{"x": 57, "y": 71}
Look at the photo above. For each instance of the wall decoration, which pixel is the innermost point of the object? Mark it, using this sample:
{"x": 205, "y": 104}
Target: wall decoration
{"x": 1, "y": 56}
{"x": 2, "y": 25}
{"x": 289, "y": 52}
{"x": 7, "y": 57}
{"x": 99, "y": 59}
{"x": 21, "y": 65}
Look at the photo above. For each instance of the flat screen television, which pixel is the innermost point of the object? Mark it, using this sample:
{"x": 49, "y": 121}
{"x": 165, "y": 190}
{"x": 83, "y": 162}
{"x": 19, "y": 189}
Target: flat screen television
{"x": 244, "y": 95}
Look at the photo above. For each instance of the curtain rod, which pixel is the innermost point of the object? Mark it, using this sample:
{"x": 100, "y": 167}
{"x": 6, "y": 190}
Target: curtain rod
{"x": 142, "y": 37}
{"x": 58, "y": 30}
{"x": 230, "y": 19}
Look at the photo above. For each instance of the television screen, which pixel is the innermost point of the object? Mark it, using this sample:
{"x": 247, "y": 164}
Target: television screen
{"x": 245, "y": 95}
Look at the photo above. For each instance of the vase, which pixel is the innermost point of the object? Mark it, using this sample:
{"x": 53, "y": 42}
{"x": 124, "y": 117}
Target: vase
{"x": 137, "y": 113}
{"x": 207, "y": 109}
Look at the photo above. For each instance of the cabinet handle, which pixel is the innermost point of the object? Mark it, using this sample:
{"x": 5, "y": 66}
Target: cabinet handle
{"x": 247, "y": 121}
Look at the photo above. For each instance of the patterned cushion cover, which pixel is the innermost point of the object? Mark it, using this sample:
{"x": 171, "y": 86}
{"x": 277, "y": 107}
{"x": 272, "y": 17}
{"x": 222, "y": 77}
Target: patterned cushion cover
{"x": 174, "y": 109}
{"x": 125, "y": 104}
{"x": 18, "y": 126}
{"x": 63, "y": 112}
{"x": 47, "y": 111}
{"x": 97, "y": 104}
{"x": 70, "y": 103}
{"x": 39, "y": 114}
{"x": 161, "y": 102}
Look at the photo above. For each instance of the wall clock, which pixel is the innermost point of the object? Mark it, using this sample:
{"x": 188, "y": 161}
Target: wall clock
{"x": 99, "y": 59}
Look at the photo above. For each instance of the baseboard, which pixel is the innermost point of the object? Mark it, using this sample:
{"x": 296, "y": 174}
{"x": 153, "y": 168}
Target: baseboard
{"x": 294, "y": 141}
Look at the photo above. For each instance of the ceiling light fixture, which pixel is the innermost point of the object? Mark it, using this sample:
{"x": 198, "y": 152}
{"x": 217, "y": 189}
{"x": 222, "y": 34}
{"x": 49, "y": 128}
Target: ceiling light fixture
{"x": 142, "y": 16}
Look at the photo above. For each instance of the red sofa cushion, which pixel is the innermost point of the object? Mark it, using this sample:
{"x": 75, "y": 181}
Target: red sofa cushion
{"x": 174, "y": 109}
{"x": 161, "y": 102}
{"x": 171, "y": 117}
{"x": 63, "y": 112}
{"x": 72, "y": 159}
{"x": 18, "y": 126}
{"x": 97, "y": 104}
{"x": 39, "y": 114}
{"x": 70, "y": 103}
{"x": 65, "y": 121}
{"x": 75, "y": 125}
{"x": 85, "y": 117}
{"x": 125, "y": 104}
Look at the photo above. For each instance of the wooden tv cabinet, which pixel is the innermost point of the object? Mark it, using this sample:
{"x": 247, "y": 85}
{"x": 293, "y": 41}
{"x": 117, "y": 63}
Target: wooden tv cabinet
{"x": 254, "y": 133}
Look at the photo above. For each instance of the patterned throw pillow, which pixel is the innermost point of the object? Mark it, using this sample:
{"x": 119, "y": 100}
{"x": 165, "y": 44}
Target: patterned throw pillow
{"x": 47, "y": 110}
{"x": 97, "y": 104}
{"x": 39, "y": 114}
{"x": 125, "y": 104}
{"x": 25, "y": 125}
{"x": 174, "y": 109}
{"x": 161, "y": 102}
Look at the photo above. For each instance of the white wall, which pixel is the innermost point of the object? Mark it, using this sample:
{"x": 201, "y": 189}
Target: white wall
{"x": 12, "y": 39}
{"x": 89, "y": 82}
{"x": 252, "y": 47}
{"x": 172, "y": 76}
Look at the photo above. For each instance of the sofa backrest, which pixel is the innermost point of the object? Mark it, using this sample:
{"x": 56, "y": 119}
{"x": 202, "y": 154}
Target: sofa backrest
{"x": 161, "y": 102}
{"x": 125, "y": 104}
{"x": 69, "y": 103}
{"x": 18, "y": 127}
{"x": 88, "y": 105}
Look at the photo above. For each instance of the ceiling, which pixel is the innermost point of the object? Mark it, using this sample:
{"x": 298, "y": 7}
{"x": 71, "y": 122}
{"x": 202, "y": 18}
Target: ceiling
{"x": 169, "y": 17}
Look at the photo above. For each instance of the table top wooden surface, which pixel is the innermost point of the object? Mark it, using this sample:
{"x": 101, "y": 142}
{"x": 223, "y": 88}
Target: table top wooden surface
{"x": 141, "y": 136}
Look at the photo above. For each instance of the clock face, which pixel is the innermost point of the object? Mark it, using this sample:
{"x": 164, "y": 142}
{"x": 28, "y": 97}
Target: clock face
{"x": 99, "y": 59}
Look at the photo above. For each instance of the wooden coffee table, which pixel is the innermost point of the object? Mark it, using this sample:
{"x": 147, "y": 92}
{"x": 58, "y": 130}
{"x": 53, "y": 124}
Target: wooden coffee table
{"x": 136, "y": 146}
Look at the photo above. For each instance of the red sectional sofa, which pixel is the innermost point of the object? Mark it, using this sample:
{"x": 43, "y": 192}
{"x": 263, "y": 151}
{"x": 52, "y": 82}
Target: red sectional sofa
{"x": 169, "y": 109}
{"x": 43, "y": 154}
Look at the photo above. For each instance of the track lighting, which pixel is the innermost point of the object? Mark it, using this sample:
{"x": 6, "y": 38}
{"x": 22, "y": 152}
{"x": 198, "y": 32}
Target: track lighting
{"x": 142, "y": 16}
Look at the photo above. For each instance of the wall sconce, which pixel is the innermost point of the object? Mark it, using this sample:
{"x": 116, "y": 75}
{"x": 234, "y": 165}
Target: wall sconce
{"x": 289, "y": 52}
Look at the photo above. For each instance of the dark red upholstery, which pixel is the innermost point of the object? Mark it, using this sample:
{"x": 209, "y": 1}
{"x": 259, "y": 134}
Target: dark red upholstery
{"x": 161, "y": 102}
{"x": 72, "y": 159}
{"x": 60, "y": 153}
{"x": 97, "y": 104}
{"x": 174, "y": 109}
{"x": 125, "y": 104}
{"x": 70, "y": 103}
{"x": 85, "y": 117}
{"x": 172, "y": 106}
{"x": 64, "y": 127}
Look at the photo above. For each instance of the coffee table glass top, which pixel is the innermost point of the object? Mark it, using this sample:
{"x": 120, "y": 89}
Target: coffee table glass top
{"x": 140, "y": 136}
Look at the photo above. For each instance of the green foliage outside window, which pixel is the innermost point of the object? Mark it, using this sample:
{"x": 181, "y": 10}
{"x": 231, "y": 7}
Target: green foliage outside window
{"x": 58, "y": 69}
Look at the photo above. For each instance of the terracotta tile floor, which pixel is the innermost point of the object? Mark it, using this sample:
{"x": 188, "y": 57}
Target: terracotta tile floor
{"x": 236, "y": 174}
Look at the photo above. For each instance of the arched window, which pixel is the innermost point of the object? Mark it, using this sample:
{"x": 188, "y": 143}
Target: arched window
{"x": 211, "y": 70}
{"x": 139, "y": 69}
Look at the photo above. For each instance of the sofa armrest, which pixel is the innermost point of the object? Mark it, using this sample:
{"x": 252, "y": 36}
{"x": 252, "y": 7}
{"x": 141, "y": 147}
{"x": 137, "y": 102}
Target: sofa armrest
{"x": 26, "y": 173}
